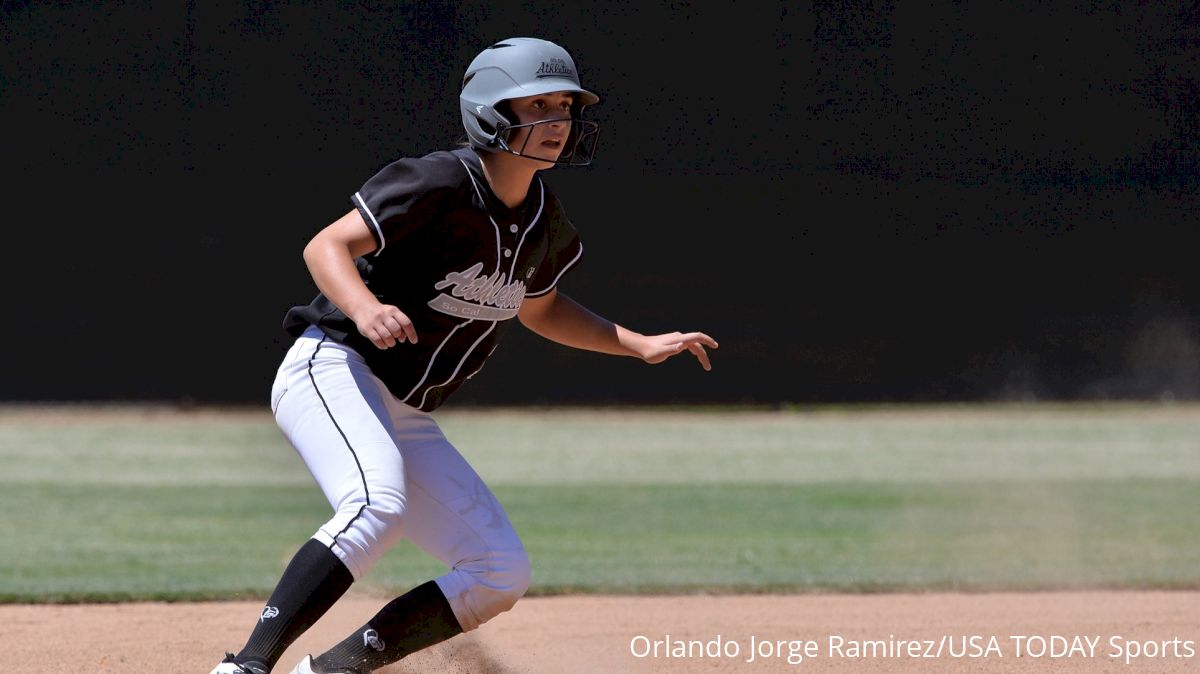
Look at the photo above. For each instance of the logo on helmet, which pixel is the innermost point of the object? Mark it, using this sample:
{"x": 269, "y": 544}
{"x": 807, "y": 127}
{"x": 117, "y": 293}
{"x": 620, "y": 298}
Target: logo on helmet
{"x": 555, "y": 68}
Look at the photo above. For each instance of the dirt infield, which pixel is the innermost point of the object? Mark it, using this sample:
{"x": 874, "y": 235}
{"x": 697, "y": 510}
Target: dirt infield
{"x": 594, "y": 634}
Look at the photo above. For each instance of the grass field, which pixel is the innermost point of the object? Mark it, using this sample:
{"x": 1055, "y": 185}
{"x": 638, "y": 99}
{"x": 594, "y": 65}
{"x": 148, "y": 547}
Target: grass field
{"x": 118, "y": 504}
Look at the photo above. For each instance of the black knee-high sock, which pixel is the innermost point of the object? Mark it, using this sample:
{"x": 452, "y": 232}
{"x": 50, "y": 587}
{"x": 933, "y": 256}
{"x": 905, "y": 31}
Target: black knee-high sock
{"x": 418, "y": 619}
{"x": 312, "y": 582}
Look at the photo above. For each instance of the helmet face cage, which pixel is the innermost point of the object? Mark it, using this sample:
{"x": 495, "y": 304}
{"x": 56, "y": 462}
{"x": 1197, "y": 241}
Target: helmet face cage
{"x": 577, "y": 150}
{"x": 515, "y": 68}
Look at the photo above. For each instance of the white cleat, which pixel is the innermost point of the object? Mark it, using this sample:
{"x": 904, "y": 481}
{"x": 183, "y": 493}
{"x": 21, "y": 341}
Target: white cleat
{"x": 228, "y": 666}
{"x": 305, "y": 666}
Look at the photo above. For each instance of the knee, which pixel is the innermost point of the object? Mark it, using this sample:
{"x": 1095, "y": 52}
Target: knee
{"x": 495, "y": 584}
{"x": 515, "y": 578}
{"x": 372, "y": 528}
{"x": 383, "y": 517}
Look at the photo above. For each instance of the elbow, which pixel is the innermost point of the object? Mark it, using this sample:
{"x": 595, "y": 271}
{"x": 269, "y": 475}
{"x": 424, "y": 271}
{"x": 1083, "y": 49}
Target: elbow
{"x": 312, "y": 251}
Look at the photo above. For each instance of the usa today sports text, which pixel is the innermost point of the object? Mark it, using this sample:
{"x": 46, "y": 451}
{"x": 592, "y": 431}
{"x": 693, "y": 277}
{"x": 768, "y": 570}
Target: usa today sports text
{"x": 756, "y": 648}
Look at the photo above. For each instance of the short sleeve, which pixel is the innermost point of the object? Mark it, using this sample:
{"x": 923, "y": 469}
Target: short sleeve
{"x": 563, "y": 252}
{"x": 397, "y": 200}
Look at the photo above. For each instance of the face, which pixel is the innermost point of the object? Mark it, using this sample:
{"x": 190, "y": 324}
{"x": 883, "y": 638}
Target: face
{"x": 551, "y": 116}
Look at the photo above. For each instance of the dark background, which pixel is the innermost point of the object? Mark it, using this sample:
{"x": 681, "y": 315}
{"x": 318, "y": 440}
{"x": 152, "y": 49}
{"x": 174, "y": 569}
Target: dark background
{"x": 861, "y": 202}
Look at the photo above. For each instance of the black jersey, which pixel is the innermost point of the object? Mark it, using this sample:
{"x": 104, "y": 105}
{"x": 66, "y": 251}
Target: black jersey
{"x": 455, "y": 260}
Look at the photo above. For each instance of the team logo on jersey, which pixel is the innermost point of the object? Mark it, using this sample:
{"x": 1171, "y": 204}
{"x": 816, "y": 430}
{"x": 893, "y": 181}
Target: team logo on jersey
{"x": 485, "y": 298}
{"x": 554, "y": 68}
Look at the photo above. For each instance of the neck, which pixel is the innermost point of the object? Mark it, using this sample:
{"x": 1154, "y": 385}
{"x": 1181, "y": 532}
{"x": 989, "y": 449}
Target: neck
{"x": 508, "y": 176}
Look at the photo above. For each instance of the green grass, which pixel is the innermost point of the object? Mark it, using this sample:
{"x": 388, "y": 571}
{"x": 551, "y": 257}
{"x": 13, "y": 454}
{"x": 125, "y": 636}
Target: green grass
{"x": 150, "y": 505}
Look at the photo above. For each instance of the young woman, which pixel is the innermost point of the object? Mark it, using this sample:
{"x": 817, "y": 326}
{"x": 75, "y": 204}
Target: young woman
{"x": 417, "y": 283}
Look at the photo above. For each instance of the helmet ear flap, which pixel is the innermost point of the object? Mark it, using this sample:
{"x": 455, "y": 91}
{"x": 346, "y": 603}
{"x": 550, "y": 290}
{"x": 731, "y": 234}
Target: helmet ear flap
{"x": 488, "y": 121}
{"x": 505, "y": 119}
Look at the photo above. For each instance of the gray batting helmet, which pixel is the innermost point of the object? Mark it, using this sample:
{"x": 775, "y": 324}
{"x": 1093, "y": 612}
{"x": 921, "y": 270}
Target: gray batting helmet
{"x": 517, "y": 67}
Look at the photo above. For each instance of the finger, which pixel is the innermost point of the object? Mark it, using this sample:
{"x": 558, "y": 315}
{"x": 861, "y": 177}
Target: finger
{"x": 409, "y": 330}
{"x": 372, "y": 337}
{"x": 404, "y": 327}
{"x": 386, "y": 337}
{"x": 701, "y": 338}
{"x": 394, "y": 328}
{"x": 701, "y": 355}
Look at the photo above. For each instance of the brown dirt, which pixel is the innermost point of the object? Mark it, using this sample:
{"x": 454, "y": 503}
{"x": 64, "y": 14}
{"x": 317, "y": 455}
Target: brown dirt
{"x": 592, "y": 634}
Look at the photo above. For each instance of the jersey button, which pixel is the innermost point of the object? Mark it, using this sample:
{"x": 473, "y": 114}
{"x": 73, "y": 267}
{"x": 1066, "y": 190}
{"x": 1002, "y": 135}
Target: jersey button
{"x": 513, "y": 228}
{"x": 507, "y": 253}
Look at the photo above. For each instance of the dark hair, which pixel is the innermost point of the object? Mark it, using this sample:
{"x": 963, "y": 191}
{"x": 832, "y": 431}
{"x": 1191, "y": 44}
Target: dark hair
{"x": 505, "y": 109}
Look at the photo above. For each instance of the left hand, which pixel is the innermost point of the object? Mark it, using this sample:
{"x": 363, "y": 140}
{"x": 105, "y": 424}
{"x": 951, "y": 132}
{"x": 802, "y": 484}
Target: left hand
{"x": 657, "y": 348}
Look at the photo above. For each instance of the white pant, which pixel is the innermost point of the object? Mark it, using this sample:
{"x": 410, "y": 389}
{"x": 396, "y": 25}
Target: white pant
{"x": 390, "y": 473}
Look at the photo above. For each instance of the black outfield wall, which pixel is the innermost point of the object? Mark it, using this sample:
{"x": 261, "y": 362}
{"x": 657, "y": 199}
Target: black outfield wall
{"x": 861, "y": 201}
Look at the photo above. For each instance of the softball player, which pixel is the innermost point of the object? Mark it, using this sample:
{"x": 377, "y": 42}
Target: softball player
{"x": 417, "y": 284}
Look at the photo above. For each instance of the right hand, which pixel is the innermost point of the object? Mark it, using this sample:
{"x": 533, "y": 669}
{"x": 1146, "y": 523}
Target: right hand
{"x": 657, "y": 348}
{"x": 385, "y": 325}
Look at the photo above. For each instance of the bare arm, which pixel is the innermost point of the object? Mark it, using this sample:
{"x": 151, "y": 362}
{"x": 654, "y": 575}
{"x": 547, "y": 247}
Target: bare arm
{"x": 561, "y": 319}
{"x": 330, "y": 259}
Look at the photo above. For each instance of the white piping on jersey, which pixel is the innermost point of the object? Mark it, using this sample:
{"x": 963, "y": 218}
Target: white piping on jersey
{"x": 541, "y": 202}
{"x": 433, "y": 358}
{"x": 458, "y": 367}
{"x": 485, "y": 210}
{"x": 382, "y": 243}
{"x": 560, "y": 273}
